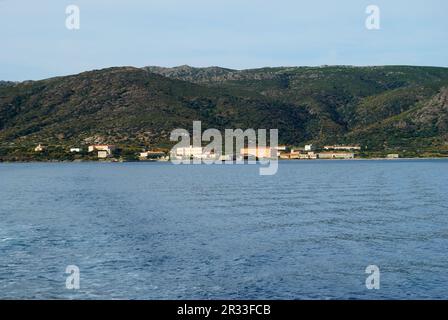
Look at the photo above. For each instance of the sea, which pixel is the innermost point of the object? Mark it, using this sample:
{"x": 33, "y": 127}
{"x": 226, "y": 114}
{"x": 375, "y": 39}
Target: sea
{"x": 348, "y": 229}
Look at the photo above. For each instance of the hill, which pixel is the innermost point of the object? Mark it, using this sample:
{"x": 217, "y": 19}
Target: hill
{"x": 375, "y": 106}
{"x": 394, "y": 108}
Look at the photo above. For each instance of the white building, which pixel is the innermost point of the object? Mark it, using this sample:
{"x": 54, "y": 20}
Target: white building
{"x": 189, "y": 152}
{"x": 393, "y": 156}
{"x": 152, "y": 155}
{"x": 309, "y": 147}
{"x": 143, "y": 155}
{"x": 337, "y": 147}
{"x": 39, "y": 148}
{"x": 103, "y": 150}
{"x": 310, "y": 155}
{"x": 102, "y": 147}
{"x": 102, "y": 154}
{"x": 336, "y": 155}
{"x": 77, "y": 150}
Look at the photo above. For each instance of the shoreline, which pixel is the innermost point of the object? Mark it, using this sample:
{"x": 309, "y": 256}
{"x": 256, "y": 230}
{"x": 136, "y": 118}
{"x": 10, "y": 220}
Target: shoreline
{"x": 280, "y": 160}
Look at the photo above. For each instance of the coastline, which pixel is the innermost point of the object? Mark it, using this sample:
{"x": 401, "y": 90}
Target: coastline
{"x": 280, "y": 160}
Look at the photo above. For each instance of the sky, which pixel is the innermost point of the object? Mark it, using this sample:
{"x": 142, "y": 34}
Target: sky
{"x": 36, "y": 44}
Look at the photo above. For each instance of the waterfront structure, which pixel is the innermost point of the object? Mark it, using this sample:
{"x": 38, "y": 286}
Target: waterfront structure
{"x": 189, "y": 152}
{"x": 294, "y": 154}
{"x": 143, "y": 155}
{"x": 152, "y": 155}
{"x": 285, "y": 155}
{"x": 258, "y": 152}
{"x": 102, "y": 154}
{"x": 336, "y": 155}
{"x": 309, "y": 156}
{"x": 393, "y": 156}
{"x": 104, "y": 151}
{"x": 342, "y": 147}
{"x": 102, "y": 147}
{"x": 281, "y": 150}
{"x": 194, "y": 153}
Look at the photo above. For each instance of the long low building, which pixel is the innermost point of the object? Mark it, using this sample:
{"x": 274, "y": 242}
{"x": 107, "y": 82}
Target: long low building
{"x": 342, "y": 147}
{"x": 193, "y": 153}
{"x": 189, "y": 152}
{"x": 102, "y": 147}
{"x": 336, "y": 155}
{"x": 151, "y": 155}
{"x": 309, "y": 155}
{"x": 259, "y": 152}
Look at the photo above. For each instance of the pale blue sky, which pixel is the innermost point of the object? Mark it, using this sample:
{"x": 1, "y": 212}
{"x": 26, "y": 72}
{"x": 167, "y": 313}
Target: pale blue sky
{"x": 239, "y": 34}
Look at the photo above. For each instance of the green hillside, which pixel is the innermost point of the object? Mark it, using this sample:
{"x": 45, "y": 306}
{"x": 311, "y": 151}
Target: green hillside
{"x": 396, "y": 108}
{"x": 375, "y": 106}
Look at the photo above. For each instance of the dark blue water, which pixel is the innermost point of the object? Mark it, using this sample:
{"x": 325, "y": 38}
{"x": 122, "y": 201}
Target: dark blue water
{"x": 159, "y": 231}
